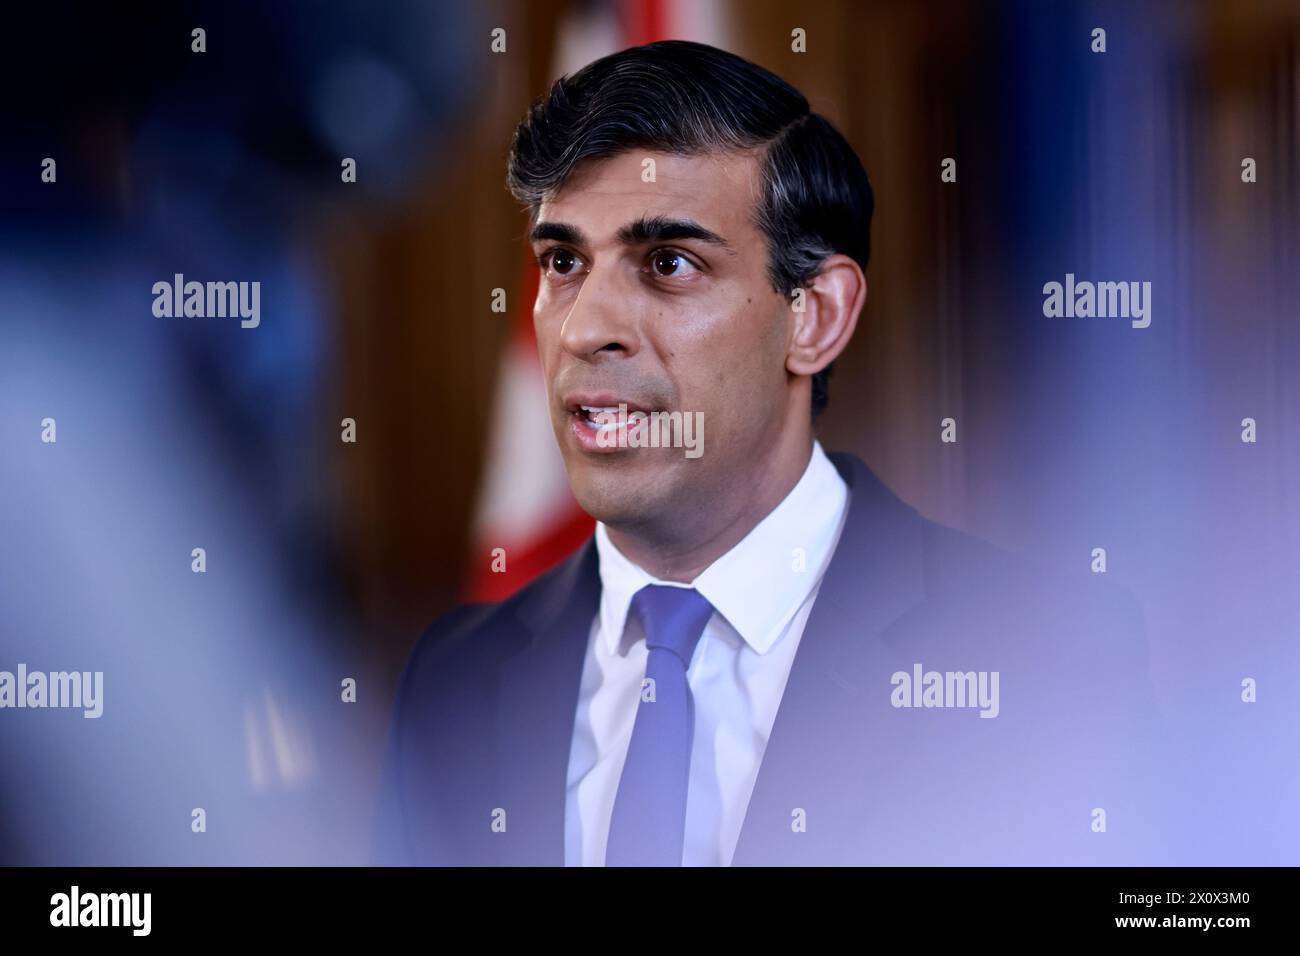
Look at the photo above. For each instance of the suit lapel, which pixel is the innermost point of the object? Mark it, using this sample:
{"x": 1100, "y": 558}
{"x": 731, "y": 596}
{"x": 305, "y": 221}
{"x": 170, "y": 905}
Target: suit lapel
{"x": 827, "y": 719}
{"x": 536, "y": 705}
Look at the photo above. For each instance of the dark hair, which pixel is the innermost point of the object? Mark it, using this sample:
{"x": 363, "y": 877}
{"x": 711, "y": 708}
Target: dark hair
{"x": 689, "y": 98}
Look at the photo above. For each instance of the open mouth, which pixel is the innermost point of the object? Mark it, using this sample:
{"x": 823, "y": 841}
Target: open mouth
{"x": 608, "y": 425}
{"x": 601, "y": 419}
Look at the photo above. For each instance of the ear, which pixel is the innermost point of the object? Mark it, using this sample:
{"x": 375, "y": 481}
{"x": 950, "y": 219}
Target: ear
{"x": 831, "y": 303}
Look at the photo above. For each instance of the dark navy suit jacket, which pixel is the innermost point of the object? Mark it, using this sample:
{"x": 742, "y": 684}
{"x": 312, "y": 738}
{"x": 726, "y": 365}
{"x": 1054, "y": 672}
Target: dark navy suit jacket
{"x": 475, "y": 768}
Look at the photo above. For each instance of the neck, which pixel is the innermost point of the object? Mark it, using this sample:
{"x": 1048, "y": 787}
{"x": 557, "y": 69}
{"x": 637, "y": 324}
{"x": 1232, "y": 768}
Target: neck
{"x": 681, "y": 551}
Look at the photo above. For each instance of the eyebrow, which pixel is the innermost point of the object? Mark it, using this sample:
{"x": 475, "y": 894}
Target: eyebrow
{"x": 559, "y": 231}
{"x": 644, "y": 230}
{"x": 663, "y": 229}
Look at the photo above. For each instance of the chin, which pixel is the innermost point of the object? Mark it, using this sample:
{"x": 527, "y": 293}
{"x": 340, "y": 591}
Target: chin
{"x": 619, "y": 495}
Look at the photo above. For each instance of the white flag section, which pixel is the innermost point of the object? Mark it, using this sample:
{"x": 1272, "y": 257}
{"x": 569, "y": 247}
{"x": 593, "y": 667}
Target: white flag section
{"x": 525, "y": 508}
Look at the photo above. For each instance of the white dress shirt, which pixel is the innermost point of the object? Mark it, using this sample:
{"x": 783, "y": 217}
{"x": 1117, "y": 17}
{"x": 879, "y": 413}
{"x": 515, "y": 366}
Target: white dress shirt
{"x": 762, "y": 591}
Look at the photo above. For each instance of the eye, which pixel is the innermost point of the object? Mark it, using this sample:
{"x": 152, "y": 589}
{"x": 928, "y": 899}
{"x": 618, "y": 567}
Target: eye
{"x": 670, "y": 264}
{"x": 559, "y": 263}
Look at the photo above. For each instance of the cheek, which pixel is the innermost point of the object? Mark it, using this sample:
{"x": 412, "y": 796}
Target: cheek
{"x": 733, "y": 368}
{"x": 547, "y": 322}
{"x": 542, "y": 311}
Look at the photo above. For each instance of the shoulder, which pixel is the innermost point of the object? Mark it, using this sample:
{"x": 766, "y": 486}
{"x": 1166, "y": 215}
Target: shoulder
{"x": 471, "y": 639}
{"x": 1050, "y": 620}
{"x": 961, "y": 564}
{"x": 965, "y": 583}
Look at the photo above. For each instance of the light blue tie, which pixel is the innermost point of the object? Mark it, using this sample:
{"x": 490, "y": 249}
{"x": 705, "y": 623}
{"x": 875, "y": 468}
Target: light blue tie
{"x": 648, "y": 825}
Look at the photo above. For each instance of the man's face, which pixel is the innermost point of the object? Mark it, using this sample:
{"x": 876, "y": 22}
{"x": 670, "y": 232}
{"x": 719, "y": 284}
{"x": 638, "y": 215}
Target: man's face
{"x": 656, "y": 295}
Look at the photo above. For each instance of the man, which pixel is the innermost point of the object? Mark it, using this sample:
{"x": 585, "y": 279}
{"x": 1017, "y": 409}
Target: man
{"x": 762, "y": 656}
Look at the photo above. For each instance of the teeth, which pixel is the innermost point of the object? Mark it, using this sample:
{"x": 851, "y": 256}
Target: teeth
{"x": 601, "y": 418}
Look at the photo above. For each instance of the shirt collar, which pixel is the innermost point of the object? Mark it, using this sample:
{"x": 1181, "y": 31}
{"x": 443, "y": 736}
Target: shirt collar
{"x": 762, "y": 581}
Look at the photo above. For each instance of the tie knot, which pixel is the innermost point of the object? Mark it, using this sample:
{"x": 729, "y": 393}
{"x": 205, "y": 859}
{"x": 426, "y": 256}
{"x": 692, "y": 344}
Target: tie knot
{"x": 673, "y": 618}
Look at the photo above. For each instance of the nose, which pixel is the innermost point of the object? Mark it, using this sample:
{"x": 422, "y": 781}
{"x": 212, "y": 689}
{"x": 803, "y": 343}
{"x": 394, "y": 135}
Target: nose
{"x": 602, "y": 316}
